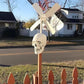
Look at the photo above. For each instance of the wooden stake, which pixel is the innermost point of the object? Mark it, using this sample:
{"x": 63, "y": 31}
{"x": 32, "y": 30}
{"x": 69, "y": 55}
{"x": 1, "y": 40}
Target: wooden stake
{"x": 39, "y": 69}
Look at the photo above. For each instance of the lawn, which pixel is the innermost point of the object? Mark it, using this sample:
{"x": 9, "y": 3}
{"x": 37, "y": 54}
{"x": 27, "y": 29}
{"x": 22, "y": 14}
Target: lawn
{"x": 12, "y": 43}
{"x": 20, "y": 70}
{"x": 26, "y": 41}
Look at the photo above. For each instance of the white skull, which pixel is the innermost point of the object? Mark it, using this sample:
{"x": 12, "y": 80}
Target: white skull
{"x": 39, "y": 42}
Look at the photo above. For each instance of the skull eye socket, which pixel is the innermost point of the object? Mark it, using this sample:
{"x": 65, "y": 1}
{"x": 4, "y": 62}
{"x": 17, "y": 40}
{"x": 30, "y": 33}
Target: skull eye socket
{"x": 35, "y": 45}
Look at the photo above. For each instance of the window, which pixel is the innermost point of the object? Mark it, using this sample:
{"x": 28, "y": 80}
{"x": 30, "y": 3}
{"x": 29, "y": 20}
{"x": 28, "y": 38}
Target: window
{"x": 77, "y": 17}
{"x": 69, "y": 26}
{"x": 74, "y": 17}
{"x": 6, "y": 25}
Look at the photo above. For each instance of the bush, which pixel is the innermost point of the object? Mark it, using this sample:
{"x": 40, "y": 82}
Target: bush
{"x": 9, "y": 32}
{"x": 76, "y": 34}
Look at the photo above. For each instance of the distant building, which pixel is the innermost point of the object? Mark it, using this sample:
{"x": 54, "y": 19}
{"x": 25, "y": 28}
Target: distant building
{"x": 7, "y": 20}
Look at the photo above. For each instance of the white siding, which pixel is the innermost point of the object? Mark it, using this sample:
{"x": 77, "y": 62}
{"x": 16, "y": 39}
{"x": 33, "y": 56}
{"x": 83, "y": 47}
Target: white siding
{"x": 80, "y": 16}
{"x": 27, "y": 32}
{"x": 32, "y": 33}
{"x": 69, "y": 31}
{"x": 65, "y": 32}
{"x": 71, "y": 15}
{"x": 24, "y": 32}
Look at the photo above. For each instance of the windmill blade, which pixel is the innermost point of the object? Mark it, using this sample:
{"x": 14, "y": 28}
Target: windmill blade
{"x": 59, "y": 23}
{"x": 35, "y": 25}
{"x": 56, "y": 23}
{"x": 38, "y": 9}
{"x": 52, "y": 30}
{"x": 54, "y": 9}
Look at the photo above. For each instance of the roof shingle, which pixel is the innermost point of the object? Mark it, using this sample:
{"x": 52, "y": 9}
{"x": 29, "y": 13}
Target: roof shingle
{"x": 7, "y": 16}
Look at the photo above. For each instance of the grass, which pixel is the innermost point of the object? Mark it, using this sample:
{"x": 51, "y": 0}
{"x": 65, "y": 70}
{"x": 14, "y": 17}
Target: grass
{"x": 26, "y": 41}
{"x": 7, "y": 43}
{"x": 14, "y": 43}
{"x": 20, "y": 70}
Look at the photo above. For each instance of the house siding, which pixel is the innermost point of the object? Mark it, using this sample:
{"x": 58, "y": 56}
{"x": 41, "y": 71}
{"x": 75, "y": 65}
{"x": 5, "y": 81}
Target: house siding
{"x": 10, "y": 25}
{"x": 70, "y": 15}
{"x": 29, "y": 33}
{"x": 69, "y": 31}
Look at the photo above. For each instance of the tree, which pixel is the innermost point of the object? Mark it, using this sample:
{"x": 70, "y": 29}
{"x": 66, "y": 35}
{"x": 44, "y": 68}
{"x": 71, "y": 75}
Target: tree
{"x": 11, "y": 4}
{"x": 65, "y": 3}
{"x": 81, "y": 4}
{"x": 29, "y": 23}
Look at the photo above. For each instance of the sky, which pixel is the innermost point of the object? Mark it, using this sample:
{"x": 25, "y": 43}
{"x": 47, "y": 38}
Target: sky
{"x": 23, "y": 10}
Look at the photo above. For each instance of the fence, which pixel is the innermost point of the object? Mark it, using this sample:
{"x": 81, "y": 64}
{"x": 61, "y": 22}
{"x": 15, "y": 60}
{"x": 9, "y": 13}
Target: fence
{"x": 27, "y": 32}
{"x": 11, "y": 79}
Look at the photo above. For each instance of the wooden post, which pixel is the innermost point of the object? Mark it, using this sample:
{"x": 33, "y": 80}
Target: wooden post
{"x": 75, "y": 76}
{"x": 11, "y": 79}
{"x": 51, "y": 78}
{"x": 26, "y": 79}
{"x": 63, "y": 77}
{"x": 39, "y": 69}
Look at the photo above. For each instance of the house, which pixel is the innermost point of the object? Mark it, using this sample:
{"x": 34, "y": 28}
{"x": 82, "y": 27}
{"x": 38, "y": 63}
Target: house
{"x": 70, "y": 20}
{"x": 7, "y": 20}
{"x": 73, "y": 20}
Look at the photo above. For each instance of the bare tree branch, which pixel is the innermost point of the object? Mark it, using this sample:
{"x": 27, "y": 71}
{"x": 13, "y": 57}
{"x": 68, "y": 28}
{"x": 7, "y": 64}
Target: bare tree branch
{"x": 65, "y": 3}
{"x": 10, "y": 4}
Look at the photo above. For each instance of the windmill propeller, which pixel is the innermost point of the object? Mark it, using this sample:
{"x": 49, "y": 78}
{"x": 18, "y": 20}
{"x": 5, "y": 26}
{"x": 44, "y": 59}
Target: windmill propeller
{"x": 35, "y": 25}
{"x": 38, "y": 9}
{"x": 44, "y": 16}
{"x": 49, "y": 27}
{"x": 55, "y": 8}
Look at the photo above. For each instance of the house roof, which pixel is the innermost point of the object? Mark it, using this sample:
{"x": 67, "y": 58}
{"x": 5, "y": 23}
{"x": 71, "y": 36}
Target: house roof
{"x": 60, "y": 15}
{"x": 70, "y": 9}
{"x": 7, "y": 16}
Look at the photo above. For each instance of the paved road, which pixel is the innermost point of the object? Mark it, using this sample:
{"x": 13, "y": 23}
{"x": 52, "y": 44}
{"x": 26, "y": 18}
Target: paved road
{"x": 15, "y": 56}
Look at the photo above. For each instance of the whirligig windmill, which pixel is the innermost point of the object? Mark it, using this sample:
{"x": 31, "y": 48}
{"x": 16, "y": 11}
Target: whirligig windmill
{"x": 39, "y": 40}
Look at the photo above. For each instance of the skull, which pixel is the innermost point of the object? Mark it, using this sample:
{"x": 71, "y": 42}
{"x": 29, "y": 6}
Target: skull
{"x": 39, "y": 42}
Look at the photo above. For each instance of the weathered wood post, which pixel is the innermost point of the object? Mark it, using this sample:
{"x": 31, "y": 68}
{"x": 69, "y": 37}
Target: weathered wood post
{"x": 39, "y": 68}
{"x": 26, "y": 79}
{"x": 75, "y": 76}
{"x": 11, "y": 79}
{"x": 37, "y": 77}
{"x": 51, "y": 78}
{"x": 63, "y": 77}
